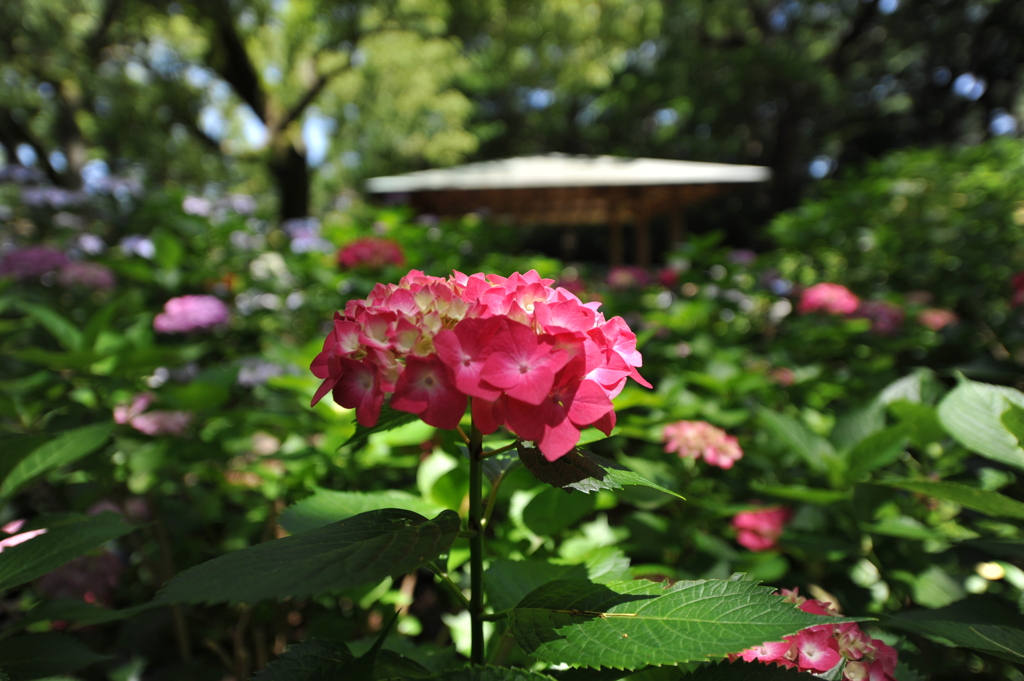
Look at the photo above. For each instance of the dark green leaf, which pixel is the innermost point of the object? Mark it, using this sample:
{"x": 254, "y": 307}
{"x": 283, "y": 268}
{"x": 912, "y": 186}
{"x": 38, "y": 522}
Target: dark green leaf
{"x": 392, "y": 665}
{"x": 498, "y": 465}
{"x": 984, "y": 501}
{"x": 365, "y": 548}
{"x": 364, "y": 666}
{"x": 389, "y": 419}
{"x": 985, "y": 623}
{"x": 876, "y": 451}
{"x": 67, "y": 447}
{"x": 14, "y": 449}
{"x": 62, "y": 329}
{"x": 34, "y": 656}
{"x": 971, "y": 413}
{"x": 744, "y": 671}
{"x": 64, "y": 539}
{"x": 583, "y": 471}
{"x": 327, "y": 506}
{"x": 78, "y": 612}
{"x": 632, "y": 624}
{"x": 816, "y": 451}
{"x": 509, "y": 581}
{"x": 310, "y": 661}
{"x": 551, "y": 511}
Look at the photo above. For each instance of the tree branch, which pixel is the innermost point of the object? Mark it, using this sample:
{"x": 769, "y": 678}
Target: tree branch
{"x": 95, "y": 42}
{"x": 310, "y": 96}
{"x": 13, "y": 133}
{"x": 236, "y": 67}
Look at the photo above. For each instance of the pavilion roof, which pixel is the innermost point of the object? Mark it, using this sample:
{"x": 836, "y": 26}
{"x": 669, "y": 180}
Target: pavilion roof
{"x": 561, "y": 170}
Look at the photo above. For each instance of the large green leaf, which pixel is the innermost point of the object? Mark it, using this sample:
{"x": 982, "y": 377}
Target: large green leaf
{"x": 985, "y": 623}
{"x": 365, "y": 548}
{"x": 853, "y": 427}
{"x": 876, "y": 451}
{"x": 971, "y": 413}
{"x": 816, "y": 451}
{"x": 744, "y": 671}
{"x": 627, "y": 625}
{"x": 67, "y": 447}
{"x": 583, "y": 471}
{"x": 389, "y": 419}
{"x": 496, "y": 674}
{"x": 313, "y": 660}
{"x": 61, "y": 328}
{"x": 35, "y": 656}
{"x": 327, "y": 506}
{"x": 65, "y": 538}
{"x": 509, "y": 581}
{"x": 984, "y": 501}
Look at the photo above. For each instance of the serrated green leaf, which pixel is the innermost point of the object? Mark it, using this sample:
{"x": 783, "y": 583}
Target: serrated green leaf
{"x": 307, "y": 661}
{"x": 984, "y": 501}
{"x": 497, "y": 466}
{"x": 876, "y": 451}
{"x": 496, "y": 674}
{"x": 365, "y": 548}
{"x": 67, "y": 447}
{"x": 34, "y": 656}
{"x": 817, "y": 452}
{"x": 392, "y": 665}
{"x": 626, "y": 625}
{"x": 743, "y": 671}
{"x": 985, "y": 623}
{"x": 971, "y": 413}
{"x": 389, "y": 419}
{"x": 64, "y": 539}
{"x": 583, "y": 471}
{"x": 328, "y": 506}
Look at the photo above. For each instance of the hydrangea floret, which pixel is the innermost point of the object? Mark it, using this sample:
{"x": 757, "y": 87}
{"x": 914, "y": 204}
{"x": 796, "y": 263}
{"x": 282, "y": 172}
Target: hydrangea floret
{"x": 759, "y": 529}
{"x": 535, "y": 359}
{"x": 191, "y": 313}
{"x": 820, "y": 648}
{"x": 694, "y": 439}
{"x": 830, "y": 298}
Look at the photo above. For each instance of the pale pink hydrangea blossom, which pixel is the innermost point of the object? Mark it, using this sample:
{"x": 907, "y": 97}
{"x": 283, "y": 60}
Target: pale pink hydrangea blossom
{"x": 822, "y": 647}
{"x": 190, "y": 313}
{"x": 16, "y": 537}
{"x": 89, "y": 275}
{"x": 937, "y": 318}
{"x": 156, "y": 422}
{"x": 536, "y": 359}
{"x": 370, "y": 252}
{"x": 830, "y": 298}
{"x": 694, "y": 439}
{"x": 759, "y": 529}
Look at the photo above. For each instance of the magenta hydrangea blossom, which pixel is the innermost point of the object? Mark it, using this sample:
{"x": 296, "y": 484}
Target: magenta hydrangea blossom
{"x": 89, "y": 275}
{"x": 536, "y": 359}
{"x": 371, "y": 252}
{"x": 886, "y": 318}
{"x": 694, "y": 439}
{"x": 191, "y": 313}
{"x": 830, "y": 298}
{"x": 820, "y": 648}
{"x": 27, "y": 263}
{"x": 937, "y": 318}
{"x": 759, "y": 529}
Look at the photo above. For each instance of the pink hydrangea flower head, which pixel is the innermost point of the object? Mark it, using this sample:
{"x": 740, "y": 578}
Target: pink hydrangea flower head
{"x": 822, "y": 647}
{"x": 191, "y": 313}
{"x": 31, "y": 262}
{"x": 89, "y": 275}
{"x": 156, "y": 422}
{"x": 694, "y": 439}
{"x": 759, "y": 529}
{"x": 371, "y": 253}
{"x": 937, "y": 318}
{"x": 886, "y": 318}
{"x": 830, "y": 298}
{"x": 536, "y": 359}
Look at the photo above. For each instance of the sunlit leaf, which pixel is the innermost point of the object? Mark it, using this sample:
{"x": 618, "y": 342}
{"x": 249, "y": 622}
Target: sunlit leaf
{"x": 971, "y": 413}
{"x": 329, "y": 506}
{"x": 67, "y": 447}
{"x": 583, "y": 471}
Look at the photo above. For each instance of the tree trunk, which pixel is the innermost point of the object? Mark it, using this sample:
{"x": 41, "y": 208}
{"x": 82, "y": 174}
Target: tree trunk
{"x": 291, "y": 176}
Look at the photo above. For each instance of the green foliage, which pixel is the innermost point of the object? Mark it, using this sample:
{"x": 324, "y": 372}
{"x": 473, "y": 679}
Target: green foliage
{"x": 583, "y": 471}
{"x": 743, "y": 671}
{"x": 64, "y": 449}
{"x": 42, "y": 655}
{"x": 982, "y": 623}
{"x": 984, "y": 501}
{"x": 627, "y": 625}
{"x": 65, "y": 538}
{"x": 362, "y": 549}
{"x": 326, "y": 507}
{"x": 309, "y": 661}
{"x": 972, "y": 414}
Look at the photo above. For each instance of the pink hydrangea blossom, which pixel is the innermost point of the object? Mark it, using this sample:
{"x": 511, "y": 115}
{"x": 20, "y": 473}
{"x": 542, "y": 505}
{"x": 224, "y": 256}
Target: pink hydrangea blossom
{"x": 372, "y": 253}
{"x": 27, "y": 263}
{"x": 190, "y": 313}
{"x": 693, "y": 439}
{"x": 536, "y": 359}
{"x": 886, "y": 318}
{"x": 820, "y": 648}
{"x": 156, "y": 422}
{"x": 87, "y": 275}
{"x": 830, "y": 298}
{"x": 626, "y": 277}
{"x": 937, "y": 318}
{"x": 759, "y": 529}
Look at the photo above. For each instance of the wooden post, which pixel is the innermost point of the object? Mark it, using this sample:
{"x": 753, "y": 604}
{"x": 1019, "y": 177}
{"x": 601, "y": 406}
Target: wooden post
{"x": 676, "y": 228}
{"x": 643, "y": 238}
{"x": 616, "y": 248}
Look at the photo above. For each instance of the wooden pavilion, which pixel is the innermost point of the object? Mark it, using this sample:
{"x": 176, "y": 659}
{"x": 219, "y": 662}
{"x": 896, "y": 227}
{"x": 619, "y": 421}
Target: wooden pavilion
{"x": 570, "y": 191}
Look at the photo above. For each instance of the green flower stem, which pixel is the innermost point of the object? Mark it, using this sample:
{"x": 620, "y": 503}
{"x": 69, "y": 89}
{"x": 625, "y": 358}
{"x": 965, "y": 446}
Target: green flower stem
{"x": 495, "y": 616}
{"x": 499, "y": 450}
{"x": 476, "y": 546}
{"x": 452, "y": 587}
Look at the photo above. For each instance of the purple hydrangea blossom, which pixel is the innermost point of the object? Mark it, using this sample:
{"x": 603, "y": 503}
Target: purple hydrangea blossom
{"x": 190, "y": 313}
{"x": 27, "y": 263}
{"x": 89, "y": 275}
